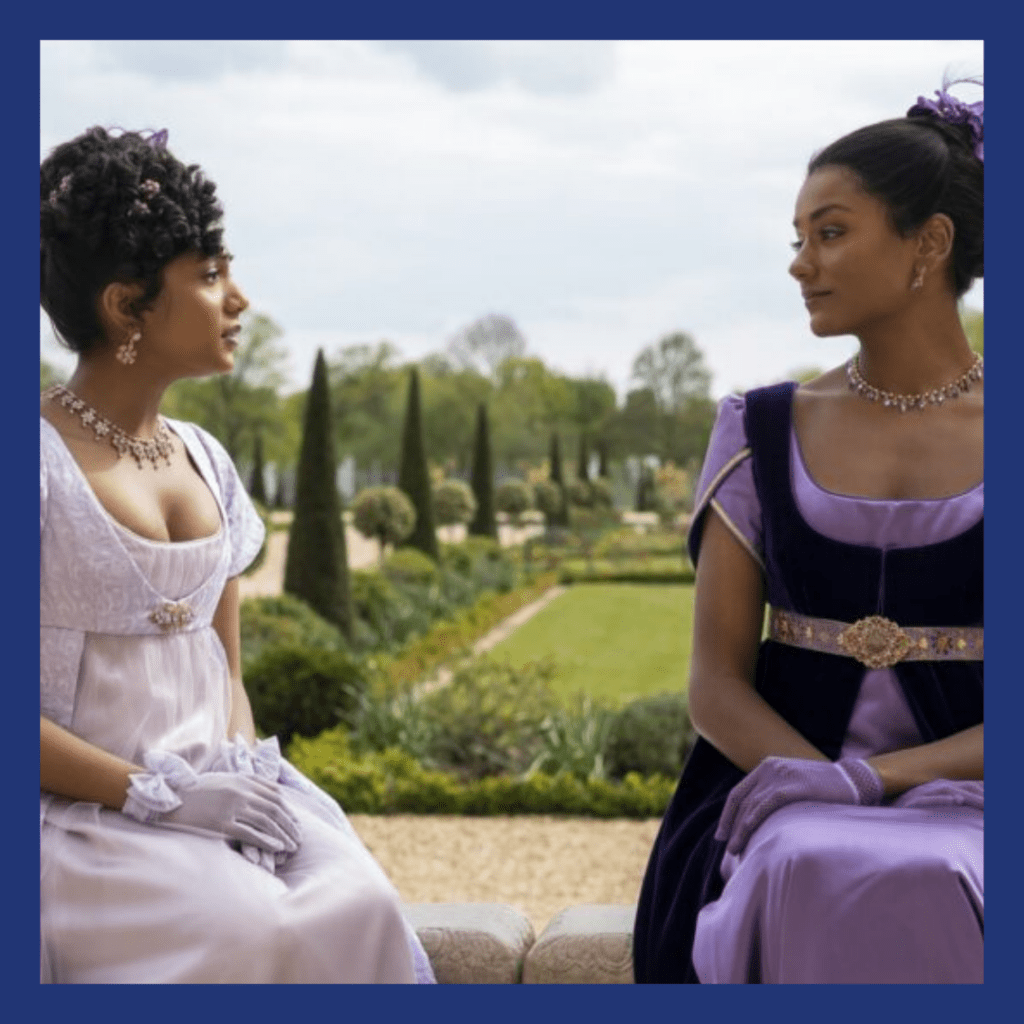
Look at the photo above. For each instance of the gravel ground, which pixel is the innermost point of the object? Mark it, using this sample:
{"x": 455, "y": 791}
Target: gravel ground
{"x": 535, "y": 863}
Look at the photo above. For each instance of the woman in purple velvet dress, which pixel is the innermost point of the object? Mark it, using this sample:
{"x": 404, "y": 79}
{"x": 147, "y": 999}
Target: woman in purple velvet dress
{"x": 828, "y": 826}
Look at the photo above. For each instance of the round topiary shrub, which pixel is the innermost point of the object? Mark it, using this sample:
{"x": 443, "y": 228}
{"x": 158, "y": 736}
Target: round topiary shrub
{"x": 454, "y": 503}
{"x": 547, "y": 496}
{"x": 651, "y": 736}
{"x": 302, "y": 691}
{"x": 384, "y": 514}
{"x": 513, "y": 498}
{"x": 580, "y": 494}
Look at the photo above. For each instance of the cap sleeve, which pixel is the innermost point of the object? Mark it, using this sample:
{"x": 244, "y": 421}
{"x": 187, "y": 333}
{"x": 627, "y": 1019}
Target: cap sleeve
{"x": 726, "y": 483}
{"x": 245, "y": 527}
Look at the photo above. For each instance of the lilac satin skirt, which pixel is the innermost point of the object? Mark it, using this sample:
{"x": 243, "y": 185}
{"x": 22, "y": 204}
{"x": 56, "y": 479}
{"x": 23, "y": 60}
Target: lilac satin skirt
{"x": 837, "y": 894}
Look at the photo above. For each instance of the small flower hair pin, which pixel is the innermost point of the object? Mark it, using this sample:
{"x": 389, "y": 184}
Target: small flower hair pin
{"x": 61, "y": 190}
{"x": 954, "y": 111}
{"x": 149, "y": 188}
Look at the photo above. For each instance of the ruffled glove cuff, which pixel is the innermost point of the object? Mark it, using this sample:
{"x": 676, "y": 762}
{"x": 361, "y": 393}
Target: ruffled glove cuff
{"x": 152, "y": 793}
{"x": 865, "y": 780}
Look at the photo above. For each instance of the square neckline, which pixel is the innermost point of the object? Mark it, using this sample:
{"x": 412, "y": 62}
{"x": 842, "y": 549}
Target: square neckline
{"x": 117, "y": 524}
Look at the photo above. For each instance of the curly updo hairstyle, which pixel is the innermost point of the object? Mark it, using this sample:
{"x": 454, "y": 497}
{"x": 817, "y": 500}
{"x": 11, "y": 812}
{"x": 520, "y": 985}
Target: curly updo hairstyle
{"x": 920, "y": 165}
{"x": 116, "y": 208}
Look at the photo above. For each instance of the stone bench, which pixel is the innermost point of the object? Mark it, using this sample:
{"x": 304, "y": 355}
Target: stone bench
{"x": 489, "y": 943}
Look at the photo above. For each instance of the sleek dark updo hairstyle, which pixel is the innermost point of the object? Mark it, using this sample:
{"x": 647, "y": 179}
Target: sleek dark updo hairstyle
{"x": 116, "y": 208}
{"x": 920, "y": 165}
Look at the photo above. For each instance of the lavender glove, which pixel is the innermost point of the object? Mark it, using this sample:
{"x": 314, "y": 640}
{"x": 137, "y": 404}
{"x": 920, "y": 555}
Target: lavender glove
{"x": 778, "y": 781}
{"x": 944, "y": 793}
{"x": 240, "y": 809}
{"x": 263, "y": 761}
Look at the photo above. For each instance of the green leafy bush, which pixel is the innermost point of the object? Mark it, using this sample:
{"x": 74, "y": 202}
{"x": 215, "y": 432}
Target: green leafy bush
{"x": 485, "y": 721}
{"x": 577, "y": 573}
{"x": 630, "y": 543}
{"x": 651, "y": 736}
{"x": 283, "y": 620}
{"x": 409, "y": 565}
{"x": 394, "y": 782}
{"x": 574, "y": 739}
{"x": 304, "y": 690}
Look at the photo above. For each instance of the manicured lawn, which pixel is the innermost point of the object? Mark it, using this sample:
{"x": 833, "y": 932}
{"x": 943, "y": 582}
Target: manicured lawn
{"x": 615, "y": 642}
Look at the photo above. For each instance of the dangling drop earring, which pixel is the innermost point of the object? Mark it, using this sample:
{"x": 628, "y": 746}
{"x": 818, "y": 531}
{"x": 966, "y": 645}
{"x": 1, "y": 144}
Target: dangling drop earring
{"x": 918, "y": 283}
{"x": 126, "y": 352}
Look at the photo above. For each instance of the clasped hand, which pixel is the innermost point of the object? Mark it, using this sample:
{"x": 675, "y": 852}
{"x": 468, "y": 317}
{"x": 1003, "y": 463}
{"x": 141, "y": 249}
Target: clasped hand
{"x": 242, "y": 804}
{"x": 778, "y": 781}
{"x": 242, "y": 808}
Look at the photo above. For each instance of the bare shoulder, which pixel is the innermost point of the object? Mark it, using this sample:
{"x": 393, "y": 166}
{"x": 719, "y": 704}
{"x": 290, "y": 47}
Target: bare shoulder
{"x": 830, "y": 384}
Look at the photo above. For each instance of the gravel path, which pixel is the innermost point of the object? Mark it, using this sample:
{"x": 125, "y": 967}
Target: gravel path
{"x": 535, "y": 863}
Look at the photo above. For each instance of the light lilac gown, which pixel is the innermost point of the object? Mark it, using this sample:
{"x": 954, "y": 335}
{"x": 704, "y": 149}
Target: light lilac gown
{"x": 827, "y": 893}
{"x": 121, "y": 901}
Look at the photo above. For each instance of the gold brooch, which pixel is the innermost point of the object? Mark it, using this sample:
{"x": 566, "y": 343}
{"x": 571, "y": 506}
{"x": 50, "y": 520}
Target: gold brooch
{"x": 171, "y": 616}
{"x": 875, "y": 641}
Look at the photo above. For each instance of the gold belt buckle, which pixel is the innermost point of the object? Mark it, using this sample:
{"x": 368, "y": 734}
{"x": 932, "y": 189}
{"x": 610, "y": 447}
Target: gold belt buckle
{"x": 875, "y": 641}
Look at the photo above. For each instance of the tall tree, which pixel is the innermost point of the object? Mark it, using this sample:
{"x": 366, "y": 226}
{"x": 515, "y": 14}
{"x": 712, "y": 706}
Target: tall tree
{"x": 674, "y": 370}
{"x": 316, "y": 566}
{"x": 484, "y": 523}
{"x": 414, "y": 474}
{"x": 603, "y": 453}
{"x": 555, "y": 475}
{"x": 486, "y": 343}
{"x": 257, "y": 486}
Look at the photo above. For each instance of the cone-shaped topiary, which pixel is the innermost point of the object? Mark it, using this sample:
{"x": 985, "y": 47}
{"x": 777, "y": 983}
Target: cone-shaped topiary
{"x": 316, "y": 567}
{"x": 413, "y": 474}
{"x": 280, "y": 493}
{"x": 484, "y": 523}
{"x": 583, "y": 460}
{"x": 257, "y": 488}
{"x": 603, "y": 467}
{"x": 561, "y": 518}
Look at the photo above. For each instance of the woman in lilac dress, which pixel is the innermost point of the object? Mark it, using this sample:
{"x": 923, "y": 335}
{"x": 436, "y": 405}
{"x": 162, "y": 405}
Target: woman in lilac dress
{"x": 174, "y": 847}
{"x": 828, "y": 826}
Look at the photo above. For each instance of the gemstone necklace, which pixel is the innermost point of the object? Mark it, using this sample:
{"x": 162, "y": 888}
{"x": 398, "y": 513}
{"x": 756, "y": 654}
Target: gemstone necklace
{"x": 160, "y": 447}
{"x": 904, "y": 402}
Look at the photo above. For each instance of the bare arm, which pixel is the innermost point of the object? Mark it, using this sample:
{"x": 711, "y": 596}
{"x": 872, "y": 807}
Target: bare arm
{"x": 226, "y": 624}
{"x": 728, "y": 613}
{"x": 73, "y": 768}
{"x": 728, "y": 712}
{"x": 960, "y": 756}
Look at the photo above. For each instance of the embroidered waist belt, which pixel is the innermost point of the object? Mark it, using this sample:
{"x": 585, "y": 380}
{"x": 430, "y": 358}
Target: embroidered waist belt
{"x": 877, "y": 642}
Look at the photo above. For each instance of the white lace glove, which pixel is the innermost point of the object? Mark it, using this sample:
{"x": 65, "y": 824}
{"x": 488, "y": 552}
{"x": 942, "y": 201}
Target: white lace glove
{"x": 238, "y": 808}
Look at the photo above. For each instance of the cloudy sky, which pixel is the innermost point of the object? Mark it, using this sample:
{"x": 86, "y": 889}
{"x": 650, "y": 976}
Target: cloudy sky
{"x": 601, "y": 193}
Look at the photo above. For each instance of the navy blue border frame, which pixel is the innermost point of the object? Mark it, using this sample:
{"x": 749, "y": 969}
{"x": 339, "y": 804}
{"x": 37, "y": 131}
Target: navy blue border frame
{"x": 870, "y": 19}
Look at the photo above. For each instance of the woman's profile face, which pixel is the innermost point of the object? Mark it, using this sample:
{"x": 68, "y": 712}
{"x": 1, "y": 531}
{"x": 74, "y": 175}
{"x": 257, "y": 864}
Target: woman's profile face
{"x": 853, "y": 268}
{"x": 191, "y": 329}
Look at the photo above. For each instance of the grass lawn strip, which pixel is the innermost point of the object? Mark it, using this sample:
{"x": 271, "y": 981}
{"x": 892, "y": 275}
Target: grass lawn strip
{"x": 615, "y": 642}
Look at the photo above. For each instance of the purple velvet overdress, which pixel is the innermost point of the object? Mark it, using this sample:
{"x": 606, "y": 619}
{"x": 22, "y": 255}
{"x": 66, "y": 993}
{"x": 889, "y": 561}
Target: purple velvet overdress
{"x": 827, "y": 893}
